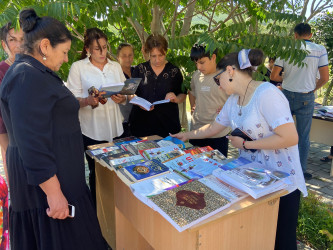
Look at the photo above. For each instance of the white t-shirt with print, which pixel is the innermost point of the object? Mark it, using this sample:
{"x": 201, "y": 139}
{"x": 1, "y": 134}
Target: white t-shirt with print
{"x": 267, "y": 109}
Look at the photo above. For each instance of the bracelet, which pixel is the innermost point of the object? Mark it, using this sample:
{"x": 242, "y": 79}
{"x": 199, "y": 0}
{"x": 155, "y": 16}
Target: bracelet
{"x": 244, "y": 145}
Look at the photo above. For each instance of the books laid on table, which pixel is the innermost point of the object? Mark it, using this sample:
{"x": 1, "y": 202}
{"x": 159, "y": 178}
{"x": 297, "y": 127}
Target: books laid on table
{"x": 236, "y": 163}
{"x": 229, "y": 192}
{"x": 188, "y": 204}
{"x": 129, "y": 87}
{"x": 157, "y": 185}
{"x": 179, "y": 161}
{"x": 107, "y": 157}
{"x": 126, "y": 161}
{"x": 146, "y": 104}
{"x": 214, "y": 154}
{"x": 141, "y": 171}
{"x": 150, "y": 153}
{"x": 168, "y": 156}
{"x": 197, "y": 169}
{"x": 197, "y": 150}
{"x": 126, "y": 140}
{"x": 254, "y": 178}
{"x": 100, "y": 151}
{"x": 326, "y": 111}
{"x": 134, "y": 147}
{"x": 173, "y": 140}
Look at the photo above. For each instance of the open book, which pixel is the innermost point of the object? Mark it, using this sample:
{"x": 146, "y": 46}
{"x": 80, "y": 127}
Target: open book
{"x": 129, "y": 87}
{"x": 146, "y": 104}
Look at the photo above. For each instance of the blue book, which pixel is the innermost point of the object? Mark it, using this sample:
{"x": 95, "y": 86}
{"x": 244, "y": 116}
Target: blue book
{"x": 145, "y": 170}
{"x": 235, "y": 163}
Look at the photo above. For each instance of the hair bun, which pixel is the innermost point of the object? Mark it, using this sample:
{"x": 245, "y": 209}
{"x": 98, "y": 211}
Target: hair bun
{"x": 28, "y": 19}
{"x": 256, "y": 57}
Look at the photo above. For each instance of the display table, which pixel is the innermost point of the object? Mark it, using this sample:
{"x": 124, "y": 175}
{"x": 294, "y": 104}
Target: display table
{"x": 127, "y": 223}
{"x": 322, "y": 132}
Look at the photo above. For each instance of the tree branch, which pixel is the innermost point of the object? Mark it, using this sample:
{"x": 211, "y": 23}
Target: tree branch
{"x": 211, "y": 18}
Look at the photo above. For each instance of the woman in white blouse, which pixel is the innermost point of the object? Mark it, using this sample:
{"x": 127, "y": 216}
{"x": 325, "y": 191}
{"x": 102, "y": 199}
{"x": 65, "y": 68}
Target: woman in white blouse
{"x": 99, "y": 122}
{"x": 260, "y": 109}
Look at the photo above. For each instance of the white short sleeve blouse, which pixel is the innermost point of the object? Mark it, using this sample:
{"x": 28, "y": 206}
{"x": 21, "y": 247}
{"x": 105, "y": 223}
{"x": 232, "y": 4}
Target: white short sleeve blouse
{"x": 267, "y": 109}
{"x": 105, "y": 121}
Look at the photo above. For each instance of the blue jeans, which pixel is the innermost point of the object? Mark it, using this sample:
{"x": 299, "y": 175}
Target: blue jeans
{"x": 302, "y": 105}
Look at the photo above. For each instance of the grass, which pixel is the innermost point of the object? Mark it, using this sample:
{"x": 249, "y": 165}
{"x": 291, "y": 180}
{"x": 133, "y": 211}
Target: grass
{"x": 315, "y": 222}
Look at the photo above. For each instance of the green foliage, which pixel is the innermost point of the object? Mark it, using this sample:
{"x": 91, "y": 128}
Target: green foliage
{"x": 315, "y": 222}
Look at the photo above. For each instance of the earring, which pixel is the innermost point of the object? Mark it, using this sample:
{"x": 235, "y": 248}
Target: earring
{"x": 88, "y": 54}
{"x": 230, "y": 79}
{"x": 44, "y": 58}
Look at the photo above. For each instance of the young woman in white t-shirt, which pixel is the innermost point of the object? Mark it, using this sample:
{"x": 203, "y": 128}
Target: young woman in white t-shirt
{"x": 262, "y": 111}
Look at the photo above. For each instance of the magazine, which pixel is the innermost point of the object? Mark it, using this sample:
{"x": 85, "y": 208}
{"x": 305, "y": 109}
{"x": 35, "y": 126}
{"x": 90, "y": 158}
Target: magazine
{"x": 167, "y": 156}
{"x": 198, "y": 150}
{"x": 134, "y": 147}
{"x": 129, "y": 87}
{"x": 150, "y": 153}
{"x": 254, "y": 178}
{"x": 146, "y": 104}
{"x": 126, "y": 140}
{"x": 214, "y": 154}
{"x": 179, "y": 161}
{"x": 235, "y": 163}
{"x": 126, "y": 161}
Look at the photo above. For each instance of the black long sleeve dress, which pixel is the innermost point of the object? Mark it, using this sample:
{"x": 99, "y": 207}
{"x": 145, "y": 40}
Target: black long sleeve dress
{"x": 164, "y": 119}
{"x": 45, "y": 139}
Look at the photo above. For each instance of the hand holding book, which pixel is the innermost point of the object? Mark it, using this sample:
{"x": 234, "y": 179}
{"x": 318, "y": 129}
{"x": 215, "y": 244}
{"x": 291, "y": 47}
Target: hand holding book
{"x": 239, "y": 142}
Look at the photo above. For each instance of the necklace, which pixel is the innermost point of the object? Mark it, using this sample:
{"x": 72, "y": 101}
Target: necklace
{"x": 240, "y": 109}
{"x": 9, "y": 62}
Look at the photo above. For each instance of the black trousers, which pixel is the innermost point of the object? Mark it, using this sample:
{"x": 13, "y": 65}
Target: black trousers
{"x": 287, "y": 222}
{"x": 91, "y": 164}
{"x": 220, "y": 143}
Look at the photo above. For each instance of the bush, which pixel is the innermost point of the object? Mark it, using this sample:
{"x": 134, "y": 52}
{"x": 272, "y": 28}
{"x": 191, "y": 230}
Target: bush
{"x": 315, "y": 222}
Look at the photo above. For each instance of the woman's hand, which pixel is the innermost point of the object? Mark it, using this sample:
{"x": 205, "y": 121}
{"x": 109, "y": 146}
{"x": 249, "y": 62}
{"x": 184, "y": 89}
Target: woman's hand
{"x": 92, "y": 101}
{"x": 118, "y": 98}
{"x": 236, "y": 141}
{"x": 172, "y": 97}
{"x": 180, "y": 136}
{"x": 58, "y": 206}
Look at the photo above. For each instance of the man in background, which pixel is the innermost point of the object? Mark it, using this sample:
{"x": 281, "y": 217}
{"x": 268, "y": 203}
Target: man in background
{"x": 299, "y": 85}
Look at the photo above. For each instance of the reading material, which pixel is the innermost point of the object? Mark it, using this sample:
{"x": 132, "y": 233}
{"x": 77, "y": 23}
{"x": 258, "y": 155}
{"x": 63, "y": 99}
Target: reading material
{"x": 146, "y": 104}
{"x": 254, "y": 178}
{"x": 129, "y": 87}
{"x": 188, "y": 204}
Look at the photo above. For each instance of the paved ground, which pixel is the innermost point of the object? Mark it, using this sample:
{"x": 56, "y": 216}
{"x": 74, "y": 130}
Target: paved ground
{"x": 321, "y": 183}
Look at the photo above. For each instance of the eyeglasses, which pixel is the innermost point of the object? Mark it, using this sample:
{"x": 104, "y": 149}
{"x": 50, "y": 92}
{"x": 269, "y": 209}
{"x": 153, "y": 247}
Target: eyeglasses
{"x": 217, "y": 77}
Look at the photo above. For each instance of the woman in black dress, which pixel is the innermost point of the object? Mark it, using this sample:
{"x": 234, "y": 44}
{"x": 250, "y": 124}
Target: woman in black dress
{"x": 45, "y": 152}
{"x": 160, "y": 80}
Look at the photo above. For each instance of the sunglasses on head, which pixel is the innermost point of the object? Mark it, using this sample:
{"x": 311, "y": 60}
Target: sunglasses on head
{"x": 217, "y": 77}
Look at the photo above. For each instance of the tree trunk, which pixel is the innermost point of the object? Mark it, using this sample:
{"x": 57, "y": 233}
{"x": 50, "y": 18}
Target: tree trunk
{"x": 188, "y": 19}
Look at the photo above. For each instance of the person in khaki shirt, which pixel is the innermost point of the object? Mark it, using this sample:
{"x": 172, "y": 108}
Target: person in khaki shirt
{"x": 206, "y": 98}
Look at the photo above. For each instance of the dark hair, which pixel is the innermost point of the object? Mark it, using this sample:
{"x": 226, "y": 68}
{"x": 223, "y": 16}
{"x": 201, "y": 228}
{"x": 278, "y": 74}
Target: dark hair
{"x": 5, "y": 30}
{"x": 36, "y": 28}
{"x": 198, "y": 51}
{"x": 272, "y": 58}
{"x": 123, "y": 45}
{"x": 91, "y": 35}
{"x": 256, "y": 57}
{"x": 303, "y": 29}
{"x": 156, "y": 41}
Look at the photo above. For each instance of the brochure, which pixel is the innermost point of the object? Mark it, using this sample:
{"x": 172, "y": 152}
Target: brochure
{"x": 129, "y": 87}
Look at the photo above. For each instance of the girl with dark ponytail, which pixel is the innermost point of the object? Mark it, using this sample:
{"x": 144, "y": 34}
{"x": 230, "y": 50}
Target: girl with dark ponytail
{"x": 260, "y": 109}
{"x": 45, "y": 151}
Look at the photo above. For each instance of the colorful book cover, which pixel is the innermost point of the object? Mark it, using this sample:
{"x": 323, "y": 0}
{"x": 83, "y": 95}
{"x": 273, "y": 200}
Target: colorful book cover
{"x": 174, "y": 140}
{"x": 107, "y": 157}
{"x": 235, "y": 163}
{"x": 134, "y": 147}
{"x": 146, "y": 169}
{"x": 254, "y": 178}
{"x": 126, "y": 161}
{"x": 150, "y": 153}
{"x": 188, "y": 204}
{"x": 126, "y": 140}
{"x": 179, "y": 161}
{"x": 194, "y": 151}
{"x": 214, "y": 155}
{"x": 99, "y": 151}
{"x": 168, "y": 156}
{"x": 198, "y": 168}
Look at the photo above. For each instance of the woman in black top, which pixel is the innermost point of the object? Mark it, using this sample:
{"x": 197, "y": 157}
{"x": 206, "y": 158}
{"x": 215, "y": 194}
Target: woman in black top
{"x": 160, "y": 80}
{"x": 45, "y": 151}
